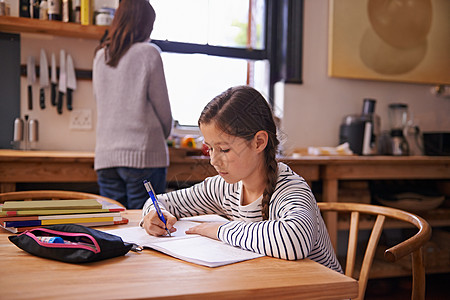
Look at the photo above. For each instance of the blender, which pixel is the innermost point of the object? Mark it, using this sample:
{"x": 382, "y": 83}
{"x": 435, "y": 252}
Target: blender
{"x": 398, "y": 115}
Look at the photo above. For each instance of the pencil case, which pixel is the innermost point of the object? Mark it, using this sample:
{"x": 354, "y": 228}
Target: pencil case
{"x": 71, "y": 243}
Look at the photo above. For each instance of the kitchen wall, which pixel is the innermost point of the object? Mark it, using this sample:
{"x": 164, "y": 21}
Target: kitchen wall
{"x": 54, "y": 128}
{"x": 312, "y": 111}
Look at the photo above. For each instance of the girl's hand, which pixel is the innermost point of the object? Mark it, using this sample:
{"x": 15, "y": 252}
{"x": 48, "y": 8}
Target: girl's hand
{"x": 154, "y": 226}
{"x": 209, "y": 229}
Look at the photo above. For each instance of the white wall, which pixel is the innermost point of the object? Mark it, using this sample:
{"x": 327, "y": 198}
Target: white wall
{"x": 54, "y": 132}
{"x": 312, "y": 111}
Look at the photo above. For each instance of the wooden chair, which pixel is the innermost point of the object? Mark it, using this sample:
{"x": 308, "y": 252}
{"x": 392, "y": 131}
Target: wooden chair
{"x": 413, "y": 245}
{"x": 52, "y": 195}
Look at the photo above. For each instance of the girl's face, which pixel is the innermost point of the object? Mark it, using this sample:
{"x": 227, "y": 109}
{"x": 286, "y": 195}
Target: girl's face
{"x": 234, "y": 158}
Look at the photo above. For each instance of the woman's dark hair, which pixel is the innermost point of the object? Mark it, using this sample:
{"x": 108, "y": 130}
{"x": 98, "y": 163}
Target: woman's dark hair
{"x": 242, "y": 111}
{"x": 132, "y": 23}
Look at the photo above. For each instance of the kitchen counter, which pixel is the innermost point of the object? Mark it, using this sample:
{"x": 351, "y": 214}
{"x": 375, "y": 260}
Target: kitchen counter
{"x": 73, "y": 166}
{"x": 68, "y": 166}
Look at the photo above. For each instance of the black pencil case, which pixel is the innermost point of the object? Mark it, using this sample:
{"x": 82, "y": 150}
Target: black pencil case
{"x": 71, "y": 243}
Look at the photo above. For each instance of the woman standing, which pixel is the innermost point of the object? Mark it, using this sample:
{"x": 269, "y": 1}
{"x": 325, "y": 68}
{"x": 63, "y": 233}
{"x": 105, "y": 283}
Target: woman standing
{"x": 133, "y": 110}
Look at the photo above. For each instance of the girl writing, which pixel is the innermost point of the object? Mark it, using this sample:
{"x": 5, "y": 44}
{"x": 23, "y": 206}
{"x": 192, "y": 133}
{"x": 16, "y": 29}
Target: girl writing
{"x": 272, "y": 210}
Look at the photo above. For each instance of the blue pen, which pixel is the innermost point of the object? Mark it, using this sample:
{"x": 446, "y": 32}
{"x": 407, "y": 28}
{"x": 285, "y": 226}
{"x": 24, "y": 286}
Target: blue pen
{"x": 152, "y": 195}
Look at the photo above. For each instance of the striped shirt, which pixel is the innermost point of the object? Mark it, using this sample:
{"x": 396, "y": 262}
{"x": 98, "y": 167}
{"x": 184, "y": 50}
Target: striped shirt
{"x": 295, "y": 228}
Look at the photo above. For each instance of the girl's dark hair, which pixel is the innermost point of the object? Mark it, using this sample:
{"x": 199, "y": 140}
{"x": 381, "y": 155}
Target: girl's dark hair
{"x": 242, "y": 111}
{"x": 132, "y": 23}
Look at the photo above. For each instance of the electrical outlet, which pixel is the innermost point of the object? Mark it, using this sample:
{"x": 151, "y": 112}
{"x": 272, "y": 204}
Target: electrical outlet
{"x": 81, "y": 119}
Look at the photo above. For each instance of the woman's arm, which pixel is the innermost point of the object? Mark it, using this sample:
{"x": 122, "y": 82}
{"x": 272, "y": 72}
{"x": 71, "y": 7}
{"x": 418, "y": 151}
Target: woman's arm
{"x": 157, "y": 91}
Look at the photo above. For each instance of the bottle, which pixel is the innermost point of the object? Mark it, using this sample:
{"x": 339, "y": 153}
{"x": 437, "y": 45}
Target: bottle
{"x": 33, "y": 133}
{"x": 66, "y": 10}
{"x": 77, "y": 12}
{"x": 7, "y": 8}
{"x": 18, "y": 130}
{"x": 54, "y": 10}
{"x": 34, "y": 9}
{"x": 2, "y": 8}
{"x": 24, "y": 8}
{"x": 18, "y": 133}
{"x": 43, "y": 12}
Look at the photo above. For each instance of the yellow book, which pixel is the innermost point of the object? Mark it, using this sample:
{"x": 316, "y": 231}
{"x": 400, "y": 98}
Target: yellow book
{"x": 87, "y": 12}
{"x": 104, "y": 208}
{"x": 79, "y": 220}
{"x": 51, "y": 204}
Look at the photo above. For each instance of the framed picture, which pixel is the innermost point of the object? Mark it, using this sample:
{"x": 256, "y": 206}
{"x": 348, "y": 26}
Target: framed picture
{"x": 401, "y": 40}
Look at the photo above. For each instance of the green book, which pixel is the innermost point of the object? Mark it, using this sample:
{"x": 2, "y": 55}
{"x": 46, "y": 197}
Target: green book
{"x": 105, "y": 207}
{"x": 51, "y": 204}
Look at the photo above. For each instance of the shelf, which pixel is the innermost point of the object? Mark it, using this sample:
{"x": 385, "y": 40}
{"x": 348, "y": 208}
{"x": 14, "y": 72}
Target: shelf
{"x": 58, "y": 28}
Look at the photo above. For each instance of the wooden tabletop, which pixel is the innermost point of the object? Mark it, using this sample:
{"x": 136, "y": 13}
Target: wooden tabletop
{"x": 150, "y": 275}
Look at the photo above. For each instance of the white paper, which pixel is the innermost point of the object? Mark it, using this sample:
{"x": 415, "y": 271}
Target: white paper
{"x": 189, "y": 247}
{"x": 206, "y": 218}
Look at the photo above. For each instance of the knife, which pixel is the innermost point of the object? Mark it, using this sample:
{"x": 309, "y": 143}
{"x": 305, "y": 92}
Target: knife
{"x": 43, "y": 78}
{"x": 71, "y": 81}
{"x": 62, "y": 80}
{"x": 31, "y": 78}
{"x": 54, "y": 80}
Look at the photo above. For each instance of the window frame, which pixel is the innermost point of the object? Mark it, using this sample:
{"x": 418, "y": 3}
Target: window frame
{"x": 282, "y": 45}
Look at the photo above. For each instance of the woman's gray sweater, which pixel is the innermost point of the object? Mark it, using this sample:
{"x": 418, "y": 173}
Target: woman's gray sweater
{"x": 133, "y": 110}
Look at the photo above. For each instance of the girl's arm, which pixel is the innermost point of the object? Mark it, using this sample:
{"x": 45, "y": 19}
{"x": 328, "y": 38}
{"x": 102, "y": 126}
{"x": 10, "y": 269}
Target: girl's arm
{"x": 290, "y": 232}
{"x": 200, "y": 199}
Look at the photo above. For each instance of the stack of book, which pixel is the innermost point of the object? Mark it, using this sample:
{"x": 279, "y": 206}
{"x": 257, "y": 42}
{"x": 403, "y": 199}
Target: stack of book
{"x": 18, "y": 216}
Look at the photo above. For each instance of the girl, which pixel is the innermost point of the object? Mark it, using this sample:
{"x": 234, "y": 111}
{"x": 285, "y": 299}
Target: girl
{"x": 133, "y": 109}
{"x": 272, "y": 210}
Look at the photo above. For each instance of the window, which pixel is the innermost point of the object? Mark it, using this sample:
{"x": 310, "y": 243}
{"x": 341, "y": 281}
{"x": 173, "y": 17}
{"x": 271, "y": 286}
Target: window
{"x": 211, "y": 45}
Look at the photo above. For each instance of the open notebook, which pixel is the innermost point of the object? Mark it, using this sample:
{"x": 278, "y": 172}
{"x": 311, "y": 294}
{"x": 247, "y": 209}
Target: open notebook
{"x": 189, "y": 247}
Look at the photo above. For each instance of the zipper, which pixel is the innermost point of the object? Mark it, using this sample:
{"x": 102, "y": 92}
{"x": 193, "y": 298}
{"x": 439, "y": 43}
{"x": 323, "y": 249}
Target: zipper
{"x": 92, "y": 246}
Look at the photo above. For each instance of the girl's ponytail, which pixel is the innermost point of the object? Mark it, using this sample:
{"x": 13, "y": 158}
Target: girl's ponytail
{"x": 272, "y": 176}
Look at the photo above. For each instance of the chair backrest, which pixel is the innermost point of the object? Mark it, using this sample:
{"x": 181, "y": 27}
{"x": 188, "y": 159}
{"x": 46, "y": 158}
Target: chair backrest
{"x": 52, "y": 195}
{"x": 412, "y": 246}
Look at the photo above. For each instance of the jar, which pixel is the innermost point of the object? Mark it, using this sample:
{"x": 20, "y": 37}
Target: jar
{"x": 104, "y": 17}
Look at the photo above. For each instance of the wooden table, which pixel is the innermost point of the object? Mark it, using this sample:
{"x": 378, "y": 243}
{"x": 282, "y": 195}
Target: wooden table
{"x": 151, "y": 275}
{"x": 65, "y": 166}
